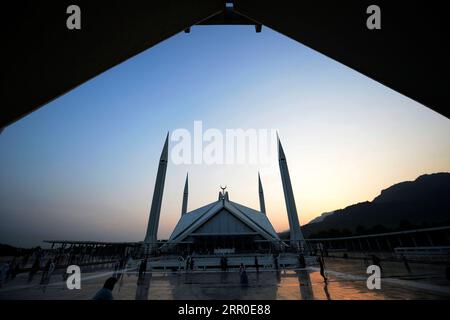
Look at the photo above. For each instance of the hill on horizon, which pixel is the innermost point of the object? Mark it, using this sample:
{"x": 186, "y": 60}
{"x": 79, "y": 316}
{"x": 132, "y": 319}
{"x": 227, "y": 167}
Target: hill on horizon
{"x": 424, "y": 202}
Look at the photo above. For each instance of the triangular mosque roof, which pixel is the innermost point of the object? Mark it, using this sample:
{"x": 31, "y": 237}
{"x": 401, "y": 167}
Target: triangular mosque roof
{"x": 192, "y": 220}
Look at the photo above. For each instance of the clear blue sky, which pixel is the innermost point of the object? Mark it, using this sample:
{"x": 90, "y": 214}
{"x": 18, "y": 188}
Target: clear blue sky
{"x": 83, "y": 167}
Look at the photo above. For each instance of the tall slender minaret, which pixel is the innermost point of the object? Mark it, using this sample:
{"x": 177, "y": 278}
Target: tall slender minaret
{"x": 155, "y": 210}
{"x": 262, "y": 204}
{"x": 296, "y": 236}
{"x": 185, "y": 196}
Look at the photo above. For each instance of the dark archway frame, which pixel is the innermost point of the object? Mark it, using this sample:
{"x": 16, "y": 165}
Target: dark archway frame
{"x": 43, "y": 60}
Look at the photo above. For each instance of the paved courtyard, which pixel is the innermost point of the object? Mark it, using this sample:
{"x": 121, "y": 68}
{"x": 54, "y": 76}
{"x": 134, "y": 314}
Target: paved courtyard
{"x": 347, "y": 280}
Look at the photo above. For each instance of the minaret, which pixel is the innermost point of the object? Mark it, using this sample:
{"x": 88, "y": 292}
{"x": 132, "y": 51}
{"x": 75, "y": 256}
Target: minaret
{"x": 296, "y": 236}
{"x": 185, "y": 197}
{"x": 262, "y": 204}
{"x": 155, "y": 210}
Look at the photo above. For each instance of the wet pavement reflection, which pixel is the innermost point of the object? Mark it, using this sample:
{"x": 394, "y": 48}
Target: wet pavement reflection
{"x": 299, "y": 284}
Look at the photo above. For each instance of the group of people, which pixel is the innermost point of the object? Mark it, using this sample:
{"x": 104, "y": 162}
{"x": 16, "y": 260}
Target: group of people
{"x": 186, "y": 263}
{"x": 11, "y": 269}
{"x": 8, "y": 271}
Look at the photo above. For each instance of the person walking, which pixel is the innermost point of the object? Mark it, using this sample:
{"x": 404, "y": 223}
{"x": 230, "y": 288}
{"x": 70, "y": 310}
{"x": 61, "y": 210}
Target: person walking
{"x": 51, "y": 269}
{"x": 180, "y": 263}
{"x": 222, "y": 264}
{"x": 46, "y": 270}
{"x": 225, "y": 261}
{"x": 301, "y": 261}
{"x": 188, "y": 260}
{"x": 322, "y": 268}
{"x": 275, "y": 262}
{"x": 34, "y": 269}
{"x": 243, "y": 275}
{"x": 191, "y": 264}
{"x": 256, "y": 264}
{"x": 142, "y": 267}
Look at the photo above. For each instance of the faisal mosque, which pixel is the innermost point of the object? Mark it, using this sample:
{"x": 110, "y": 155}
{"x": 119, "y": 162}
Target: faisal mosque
{"x": 223, "y": 226}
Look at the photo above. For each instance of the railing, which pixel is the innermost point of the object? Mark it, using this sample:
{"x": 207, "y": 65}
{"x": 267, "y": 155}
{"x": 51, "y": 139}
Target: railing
{"x": 423, "y": 253}
{"x": 233, "y": 261}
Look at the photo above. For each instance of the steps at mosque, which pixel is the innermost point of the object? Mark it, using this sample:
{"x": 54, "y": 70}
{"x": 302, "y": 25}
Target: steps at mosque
{"x": 234, "y": 261}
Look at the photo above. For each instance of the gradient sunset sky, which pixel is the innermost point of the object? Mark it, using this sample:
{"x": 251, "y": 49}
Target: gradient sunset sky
{"x": 83, "y": 167}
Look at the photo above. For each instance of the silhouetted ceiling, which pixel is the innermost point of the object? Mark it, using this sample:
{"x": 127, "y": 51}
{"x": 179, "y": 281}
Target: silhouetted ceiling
{"x": 42, "y": 59}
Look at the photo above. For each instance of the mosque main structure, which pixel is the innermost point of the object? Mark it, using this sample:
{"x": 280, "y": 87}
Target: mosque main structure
{"x": 223, "y": 225}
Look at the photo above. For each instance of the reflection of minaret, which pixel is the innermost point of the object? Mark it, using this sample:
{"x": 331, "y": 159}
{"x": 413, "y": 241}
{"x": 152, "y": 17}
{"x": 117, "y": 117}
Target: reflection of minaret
{"x": 185, "y": 197}
{"x": 262, "y": 205}
{"x": 296, "y": 236}
{"x": 143, "y": 286}
{"x": 304, "y": 280}
{"x": 155, "y": 210}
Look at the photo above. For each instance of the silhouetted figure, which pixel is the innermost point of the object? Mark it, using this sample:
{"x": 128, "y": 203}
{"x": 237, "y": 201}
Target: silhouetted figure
{"x": 405, "y": 262}
{"x": 191, "y": 263}
{"x": 15, "y": 271}
{"x": 244, "y": 278}
{"x": 222, "y": 263}
{"x": 122, "y": 263}
{"x": 105, "y": 293}
{"x": 301, "y": 261}
{"x": 275, "y": 262}
{"x": 188, "y": 260}
{"x": 4, "y": 273}
{"x": 325, "y": 289}
{"x": 46, "y": 270}
{"x": 34, "y": 269}
{"x": 180, "y": 263}
{"x": 226, "y": 263}
{"x": 256, "y": 264}
{"x": 121, "y": 268}
{"x": 142, "y": 267}
{"x": 116, "y": 269}
{"x": 322, "y": 267}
